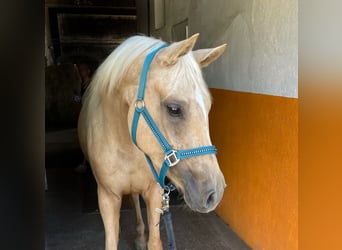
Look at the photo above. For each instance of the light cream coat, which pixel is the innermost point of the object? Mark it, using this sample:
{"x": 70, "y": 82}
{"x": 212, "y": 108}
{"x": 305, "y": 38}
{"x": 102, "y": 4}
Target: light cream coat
{"x": 104, "y": 127}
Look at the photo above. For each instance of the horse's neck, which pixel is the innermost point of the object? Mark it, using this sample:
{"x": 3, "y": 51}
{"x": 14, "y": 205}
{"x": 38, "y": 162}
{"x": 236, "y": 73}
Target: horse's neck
{"x": 114, "y": 116}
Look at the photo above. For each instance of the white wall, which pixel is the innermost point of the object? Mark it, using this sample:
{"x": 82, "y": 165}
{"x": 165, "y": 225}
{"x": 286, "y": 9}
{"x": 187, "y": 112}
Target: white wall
{"x": 262, "y": 41}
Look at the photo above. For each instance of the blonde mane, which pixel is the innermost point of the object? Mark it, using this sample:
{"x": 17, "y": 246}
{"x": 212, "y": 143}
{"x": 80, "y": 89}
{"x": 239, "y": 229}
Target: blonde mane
{"x": 114, "y": 67}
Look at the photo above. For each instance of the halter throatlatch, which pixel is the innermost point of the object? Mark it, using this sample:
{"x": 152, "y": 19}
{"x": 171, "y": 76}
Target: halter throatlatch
{"x": 172, "y": 156}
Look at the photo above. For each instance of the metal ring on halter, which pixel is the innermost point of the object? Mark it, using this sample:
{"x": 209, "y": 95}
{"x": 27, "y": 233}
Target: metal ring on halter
{"x": 139, "y": 105}
{"x": 165, "y": 189}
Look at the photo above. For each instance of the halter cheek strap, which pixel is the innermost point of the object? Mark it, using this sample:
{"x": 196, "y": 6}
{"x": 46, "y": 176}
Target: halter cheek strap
{"x": 172, "y": 156}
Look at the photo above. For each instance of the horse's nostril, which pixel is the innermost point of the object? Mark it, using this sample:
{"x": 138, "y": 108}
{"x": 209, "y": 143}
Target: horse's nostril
{"x": 211, "y": 199}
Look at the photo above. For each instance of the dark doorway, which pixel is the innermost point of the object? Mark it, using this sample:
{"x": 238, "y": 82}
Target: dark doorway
{"x": 80, "y": 32}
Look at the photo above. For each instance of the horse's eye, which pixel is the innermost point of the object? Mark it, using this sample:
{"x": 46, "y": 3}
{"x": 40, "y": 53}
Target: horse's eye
{"x": 174, "y": 110}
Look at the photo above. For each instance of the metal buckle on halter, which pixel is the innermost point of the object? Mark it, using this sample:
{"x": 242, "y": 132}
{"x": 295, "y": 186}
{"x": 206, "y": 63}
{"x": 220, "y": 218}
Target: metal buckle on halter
{"x": 172, "y": 158}
{"x": 139, "y": 105}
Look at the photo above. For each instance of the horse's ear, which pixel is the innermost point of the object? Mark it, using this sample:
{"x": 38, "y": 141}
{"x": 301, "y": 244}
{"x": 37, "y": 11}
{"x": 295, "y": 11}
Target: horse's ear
{"x": 169, "y": 55}
{"x": 206, "y": 56}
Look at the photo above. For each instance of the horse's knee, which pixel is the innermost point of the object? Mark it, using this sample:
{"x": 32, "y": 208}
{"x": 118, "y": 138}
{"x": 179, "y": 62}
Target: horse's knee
{"x": 110, "y": 213}
{"x": 155, "y": 244}
{"x": 140, "y": 227}
{"x": 140, "y": 245}
{"x": 140, "y": 241}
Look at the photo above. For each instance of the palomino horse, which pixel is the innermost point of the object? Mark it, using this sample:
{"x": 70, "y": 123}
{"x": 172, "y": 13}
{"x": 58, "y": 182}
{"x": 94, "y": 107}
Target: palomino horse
{"x": 168, "y": 82}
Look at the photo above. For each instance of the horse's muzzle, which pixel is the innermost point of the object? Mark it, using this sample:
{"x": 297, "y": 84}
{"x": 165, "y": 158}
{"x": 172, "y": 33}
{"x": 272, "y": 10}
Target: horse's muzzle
{"x": 203, "y": 196}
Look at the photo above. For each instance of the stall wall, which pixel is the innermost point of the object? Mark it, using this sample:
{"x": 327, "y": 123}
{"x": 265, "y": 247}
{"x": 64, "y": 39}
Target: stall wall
{"x": 254, "y": 114}
{"x": 257, "y": 141}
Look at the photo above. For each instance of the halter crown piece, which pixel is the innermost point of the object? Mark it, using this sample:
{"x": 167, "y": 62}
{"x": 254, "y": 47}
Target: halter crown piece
{"x": 172, "y": 156}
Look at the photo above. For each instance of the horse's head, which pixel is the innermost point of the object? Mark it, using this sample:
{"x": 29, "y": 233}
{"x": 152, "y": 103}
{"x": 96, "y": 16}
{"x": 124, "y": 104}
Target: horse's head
{"x": 178, "y": 100}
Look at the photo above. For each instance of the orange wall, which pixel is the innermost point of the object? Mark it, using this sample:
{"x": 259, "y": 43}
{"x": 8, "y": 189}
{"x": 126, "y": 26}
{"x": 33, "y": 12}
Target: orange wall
{"x": 256, "y": 137}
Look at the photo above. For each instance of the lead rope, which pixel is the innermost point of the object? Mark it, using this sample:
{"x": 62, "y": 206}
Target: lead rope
{"x": 167, "y": 219}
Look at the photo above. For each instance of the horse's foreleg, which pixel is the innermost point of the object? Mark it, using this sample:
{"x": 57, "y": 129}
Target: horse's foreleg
{"x": 153, "y": 200}
{"x": 140, "y": 241}
{"x": 109, "y": 206}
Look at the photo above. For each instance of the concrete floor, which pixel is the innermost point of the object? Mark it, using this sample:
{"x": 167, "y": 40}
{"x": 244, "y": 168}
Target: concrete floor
{"x": 67, "y": 227}
{"x": 72, "y": 221}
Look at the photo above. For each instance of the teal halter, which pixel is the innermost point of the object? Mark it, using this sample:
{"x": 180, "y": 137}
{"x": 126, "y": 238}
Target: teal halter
{"x": 172, "y": 156}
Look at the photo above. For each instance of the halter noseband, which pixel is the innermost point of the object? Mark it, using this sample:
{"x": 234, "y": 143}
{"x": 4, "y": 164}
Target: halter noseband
{"x": 172, "y": 156}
